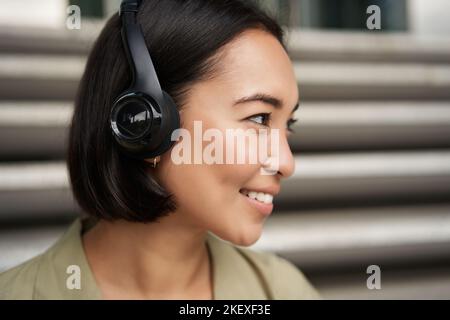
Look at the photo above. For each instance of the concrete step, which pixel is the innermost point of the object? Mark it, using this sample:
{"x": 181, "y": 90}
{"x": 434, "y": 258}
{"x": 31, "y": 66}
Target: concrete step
{"x": 48, "y": 40}
{"x": 303, "y": 45}
{"x": 411, "y": 282}
{"x": 319, "y": 181}
{"x": 56, "y": 77}
{"x": 367, "y": 46}
{"x": 366, "y": 178}
{"x": 18, "y": 245}
{"x": 365, "y": 125}
{"x": 34, "y": 130}
{"x": 355, "y": 238}
{"x": 39, "y": 129}
{"x": 372, "y": 80}
{"x": 43, "y": 77}
{"x": 45, "y": 187}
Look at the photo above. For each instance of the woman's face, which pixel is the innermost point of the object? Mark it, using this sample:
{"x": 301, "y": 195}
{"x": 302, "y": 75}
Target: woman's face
{"x": 211, "y": 196}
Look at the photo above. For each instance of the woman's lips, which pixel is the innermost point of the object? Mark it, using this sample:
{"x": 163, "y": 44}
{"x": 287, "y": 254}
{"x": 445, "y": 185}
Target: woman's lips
{"x": 264, "y": 208}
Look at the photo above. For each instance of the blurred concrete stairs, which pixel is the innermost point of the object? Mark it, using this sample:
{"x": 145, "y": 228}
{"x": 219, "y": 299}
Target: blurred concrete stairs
{"x": 372, "y": 148}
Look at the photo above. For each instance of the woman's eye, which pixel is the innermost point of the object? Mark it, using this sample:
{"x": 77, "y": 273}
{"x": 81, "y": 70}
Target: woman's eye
{"x": 262, "y": 119}
{"x": 290, "y": 123}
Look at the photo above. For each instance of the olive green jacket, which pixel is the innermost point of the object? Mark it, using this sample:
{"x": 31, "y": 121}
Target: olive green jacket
{"x": 238, "y": 273}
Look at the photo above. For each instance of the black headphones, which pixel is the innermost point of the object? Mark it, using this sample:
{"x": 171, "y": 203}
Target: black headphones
{"x": 144, "y": 116}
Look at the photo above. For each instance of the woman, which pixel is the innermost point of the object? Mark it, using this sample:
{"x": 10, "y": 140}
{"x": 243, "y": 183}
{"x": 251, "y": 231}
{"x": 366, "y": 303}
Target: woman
{"x": 155, "y": 228}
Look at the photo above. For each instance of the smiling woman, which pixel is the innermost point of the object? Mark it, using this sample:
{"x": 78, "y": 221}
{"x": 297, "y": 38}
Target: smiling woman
{"x": 154, "y": 229}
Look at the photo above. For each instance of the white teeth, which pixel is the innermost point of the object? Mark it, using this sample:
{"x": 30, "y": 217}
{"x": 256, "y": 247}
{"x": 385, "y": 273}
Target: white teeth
{"x": 268, "y": 198}
{"x": 260, "y": 196}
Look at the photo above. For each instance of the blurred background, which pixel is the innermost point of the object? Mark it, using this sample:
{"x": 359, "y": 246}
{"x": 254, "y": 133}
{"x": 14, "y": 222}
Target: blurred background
{"x": 372, "y": 145}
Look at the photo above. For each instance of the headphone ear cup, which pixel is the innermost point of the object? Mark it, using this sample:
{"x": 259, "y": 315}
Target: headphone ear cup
{"x": 131, "y": 117}
{"x": 171, "y": 119}
{"x": 139, "y": 131}
{"x": 174, "y": 114}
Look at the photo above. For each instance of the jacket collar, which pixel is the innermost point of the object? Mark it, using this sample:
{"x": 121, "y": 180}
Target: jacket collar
{"x": 53, "y": 270}
{"x": 234, "y": 276}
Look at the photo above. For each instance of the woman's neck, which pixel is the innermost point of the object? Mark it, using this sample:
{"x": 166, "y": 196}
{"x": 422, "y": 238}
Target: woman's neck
{"x": 164, "y": 260}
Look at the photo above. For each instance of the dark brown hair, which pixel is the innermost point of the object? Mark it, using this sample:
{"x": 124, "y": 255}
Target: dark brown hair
{"x": 184, "y": 38}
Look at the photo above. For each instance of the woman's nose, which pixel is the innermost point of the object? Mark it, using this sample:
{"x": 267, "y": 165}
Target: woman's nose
{"x": 286, "y": 158}
{"x": 281, "y": 160}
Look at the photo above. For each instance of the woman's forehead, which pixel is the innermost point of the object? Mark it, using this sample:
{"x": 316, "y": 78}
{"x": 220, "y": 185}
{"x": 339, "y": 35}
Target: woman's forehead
{"x": 257, "y": 59}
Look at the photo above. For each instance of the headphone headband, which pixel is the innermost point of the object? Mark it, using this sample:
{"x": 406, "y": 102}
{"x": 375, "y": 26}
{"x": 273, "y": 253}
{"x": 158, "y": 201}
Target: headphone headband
{"x": 129, "y": 6}
{"x": 144, "y": 77}
{"x": 144, "y": 116}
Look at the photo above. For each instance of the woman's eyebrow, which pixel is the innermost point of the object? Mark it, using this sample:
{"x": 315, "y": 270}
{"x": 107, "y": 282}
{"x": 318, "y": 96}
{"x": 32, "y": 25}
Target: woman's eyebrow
{"x": 265, "y": 98}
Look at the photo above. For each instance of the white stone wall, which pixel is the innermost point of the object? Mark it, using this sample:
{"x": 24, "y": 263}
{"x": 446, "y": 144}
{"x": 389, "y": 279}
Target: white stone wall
{"x": 429, "y": 17}
{"x": 33, "y": 13}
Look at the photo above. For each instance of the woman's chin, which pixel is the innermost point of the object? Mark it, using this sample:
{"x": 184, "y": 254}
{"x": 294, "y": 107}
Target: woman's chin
{"x": 244, "y": 238}
{"x": 247, "y": 241}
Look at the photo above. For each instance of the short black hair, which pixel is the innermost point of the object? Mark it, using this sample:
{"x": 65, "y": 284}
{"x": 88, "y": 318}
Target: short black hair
{"x": 184, "y": 38}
